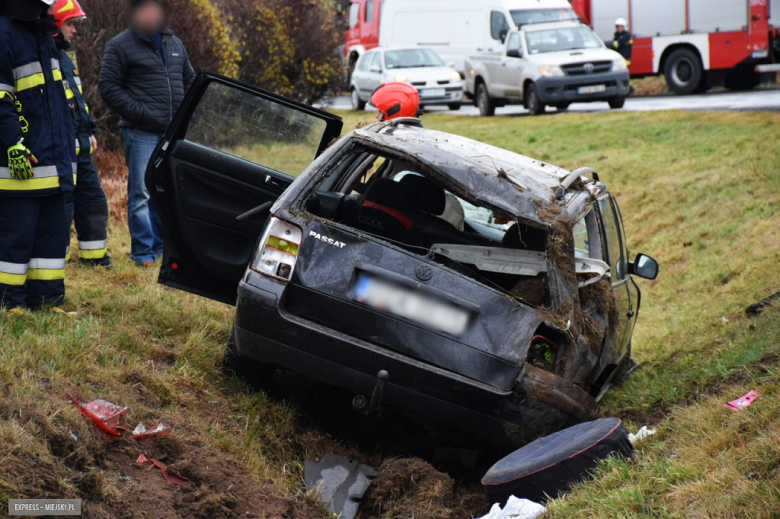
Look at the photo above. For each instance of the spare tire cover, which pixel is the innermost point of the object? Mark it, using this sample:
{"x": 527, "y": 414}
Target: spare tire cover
{"x": 551, "y": 465}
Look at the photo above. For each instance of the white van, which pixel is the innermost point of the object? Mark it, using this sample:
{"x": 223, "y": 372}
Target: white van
{"x": 456, "y": 29}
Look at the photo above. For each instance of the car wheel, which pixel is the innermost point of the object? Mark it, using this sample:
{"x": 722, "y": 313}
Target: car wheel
{"x": 487, "y": 107}
{"x": 617, "y": 102}
{"x": 683, "y": 71}
{"x": 532, "y": 100}
{"x": 454, "y": 106}
{"x": 256, "y": 374}
{"x": 562, "y": 107}
{"x": 357, "y": 103}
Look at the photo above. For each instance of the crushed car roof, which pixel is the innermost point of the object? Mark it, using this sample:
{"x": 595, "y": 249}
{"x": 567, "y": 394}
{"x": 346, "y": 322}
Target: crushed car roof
{"x": 507, "y": 180}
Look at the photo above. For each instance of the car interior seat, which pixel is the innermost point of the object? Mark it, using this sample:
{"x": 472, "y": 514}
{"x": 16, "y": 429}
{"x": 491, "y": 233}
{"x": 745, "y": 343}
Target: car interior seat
{"x": 388, "y": 209}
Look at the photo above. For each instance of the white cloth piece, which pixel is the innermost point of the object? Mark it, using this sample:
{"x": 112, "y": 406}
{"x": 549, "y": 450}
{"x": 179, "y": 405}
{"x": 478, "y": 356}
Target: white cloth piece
{"x": 516, "y": 509}
{"x": 641, "y": 434}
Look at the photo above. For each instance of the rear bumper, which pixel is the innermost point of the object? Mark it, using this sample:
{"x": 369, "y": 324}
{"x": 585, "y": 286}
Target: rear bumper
{"x": 566, "y": 89}
{"x": 265, "y": 332}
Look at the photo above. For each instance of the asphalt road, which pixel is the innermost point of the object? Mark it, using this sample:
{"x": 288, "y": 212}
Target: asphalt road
{"x": 721, "y": 100}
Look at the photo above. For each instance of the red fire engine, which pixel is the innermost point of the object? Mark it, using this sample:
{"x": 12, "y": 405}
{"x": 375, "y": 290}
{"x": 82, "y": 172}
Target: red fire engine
{"x": 695, "y": 44}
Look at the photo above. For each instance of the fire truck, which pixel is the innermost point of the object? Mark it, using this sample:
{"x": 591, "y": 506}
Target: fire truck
{"x": 695, "y": 44}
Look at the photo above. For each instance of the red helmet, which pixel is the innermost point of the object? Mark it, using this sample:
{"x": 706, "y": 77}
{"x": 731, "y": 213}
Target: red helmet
{"x": 65, "y": 10}
{"x": 396, "y": 100}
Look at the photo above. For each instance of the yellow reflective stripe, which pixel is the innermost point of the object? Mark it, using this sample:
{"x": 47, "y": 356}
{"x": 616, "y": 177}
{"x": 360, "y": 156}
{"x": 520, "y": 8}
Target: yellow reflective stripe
{"x": 57, "y": 75}
{"x": 3, "y": 94}
{"x": 45, "y": 274}
{"x": 69, "y": 94}
{"x": 81, "y": 90}
{"x": 92, "y": 254}
{"x": 29, "y": 82}
{"x": 75, "y": 178}
{"x": 12, "y": 279}
{"x": 32, "y": 184}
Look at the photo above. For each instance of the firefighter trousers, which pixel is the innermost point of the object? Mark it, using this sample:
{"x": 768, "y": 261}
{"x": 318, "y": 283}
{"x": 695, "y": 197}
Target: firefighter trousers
{"x": 33, "y": 239}
{"x": 88, "y": 208}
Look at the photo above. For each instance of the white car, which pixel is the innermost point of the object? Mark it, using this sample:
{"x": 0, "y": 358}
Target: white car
{"x": 548, "y": 64}
{"x": 437, "y": 83}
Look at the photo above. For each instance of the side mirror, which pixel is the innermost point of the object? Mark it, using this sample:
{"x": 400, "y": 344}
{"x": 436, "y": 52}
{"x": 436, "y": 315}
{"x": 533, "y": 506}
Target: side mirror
{"x": 502, "y": 35}
{"x": 514, "y": 53}
{"x": 645, "y": 267}
{"x": 375, "y": 68}
{"x": 451, "y": 64}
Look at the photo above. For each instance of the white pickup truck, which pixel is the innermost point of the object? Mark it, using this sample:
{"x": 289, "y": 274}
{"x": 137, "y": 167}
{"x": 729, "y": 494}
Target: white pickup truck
{"x": 548, "y": 64}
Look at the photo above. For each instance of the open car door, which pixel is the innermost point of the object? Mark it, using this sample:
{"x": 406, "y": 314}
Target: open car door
{"x": 230, "y": 152}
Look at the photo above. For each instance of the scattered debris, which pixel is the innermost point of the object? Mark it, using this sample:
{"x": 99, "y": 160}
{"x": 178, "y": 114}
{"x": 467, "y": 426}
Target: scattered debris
{"x": 339, "y": 482}
{"x": 170, "y": 477}
{"x": 516, "y": 509}
{"x": 74, "y": 437}
{"x": 549, "y": 466}
{"x": 725, "y": 319}
{"x": 762, "y": 305}
{"x": 743, "y": 402}
{"x": 641, "y": 434}
{"x": 105, "y": 414}
{"x": 141, "y": 432}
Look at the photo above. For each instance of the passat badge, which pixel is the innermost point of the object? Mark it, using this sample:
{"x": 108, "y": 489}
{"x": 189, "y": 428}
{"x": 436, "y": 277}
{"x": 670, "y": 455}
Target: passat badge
{"x": 325, "y": 239}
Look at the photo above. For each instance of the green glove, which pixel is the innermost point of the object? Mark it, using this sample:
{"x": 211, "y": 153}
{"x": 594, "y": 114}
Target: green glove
{"x": 615, "y": 44}
{"x": 20, "y": 161}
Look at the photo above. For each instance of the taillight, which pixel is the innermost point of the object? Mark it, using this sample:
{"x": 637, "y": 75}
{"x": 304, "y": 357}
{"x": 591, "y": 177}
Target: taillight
{"x": 278, "y": 250}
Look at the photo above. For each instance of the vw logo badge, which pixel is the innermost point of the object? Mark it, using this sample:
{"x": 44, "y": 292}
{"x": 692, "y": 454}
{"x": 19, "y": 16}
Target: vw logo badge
{"x": 589, "y": 68}
{"x": 424, "y": 272}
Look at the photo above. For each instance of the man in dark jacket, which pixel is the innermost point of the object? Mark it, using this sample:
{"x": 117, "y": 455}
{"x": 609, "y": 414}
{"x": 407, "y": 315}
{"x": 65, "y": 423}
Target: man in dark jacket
{"x": 623, "y": 42}
{"x": 88, "y": 204}
{"x": 145, "y": 74}
{"x": 37, "y": 160}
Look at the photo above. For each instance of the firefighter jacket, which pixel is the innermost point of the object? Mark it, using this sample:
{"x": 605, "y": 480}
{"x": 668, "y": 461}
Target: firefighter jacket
{"x": 82, "y": 120}
{"x": 33, "y": 107}
{"x": 623, "y": 44}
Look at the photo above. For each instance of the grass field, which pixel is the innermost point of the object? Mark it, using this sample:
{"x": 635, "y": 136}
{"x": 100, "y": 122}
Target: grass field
{"x": 698, "y": 191}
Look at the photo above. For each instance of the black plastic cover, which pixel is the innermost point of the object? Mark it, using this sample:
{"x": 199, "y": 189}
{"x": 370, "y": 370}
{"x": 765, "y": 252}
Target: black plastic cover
{"x": 549, "y": 466}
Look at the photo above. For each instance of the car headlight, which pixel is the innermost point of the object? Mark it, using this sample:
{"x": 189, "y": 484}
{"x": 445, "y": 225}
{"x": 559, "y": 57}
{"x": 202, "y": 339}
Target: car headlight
{"x": 455, "y": 76}
{"x": 620, "y": 65}
{"x": 551, "y": 71}
{"x": 400, "y": 79}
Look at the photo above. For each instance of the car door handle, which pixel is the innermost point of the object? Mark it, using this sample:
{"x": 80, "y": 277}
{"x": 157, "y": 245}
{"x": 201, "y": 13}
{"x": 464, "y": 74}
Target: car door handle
{"x": 271, "y": 181}
{"x": 252, "y": 212}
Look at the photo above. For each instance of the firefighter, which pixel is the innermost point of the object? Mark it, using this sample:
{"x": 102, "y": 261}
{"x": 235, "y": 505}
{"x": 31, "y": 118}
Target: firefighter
{"x": 623, "y": 41}
{"x": 88, "y": 204}
{"x": 395, "y": 100}
{"x": 37, "y": 160}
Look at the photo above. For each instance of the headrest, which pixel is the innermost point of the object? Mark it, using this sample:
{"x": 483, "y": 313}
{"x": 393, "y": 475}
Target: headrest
{"x": 432, "y": 197}
{"x": 392, "y": 194}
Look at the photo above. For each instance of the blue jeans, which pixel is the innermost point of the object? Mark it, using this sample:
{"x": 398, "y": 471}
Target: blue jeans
{"x": 146, "y": 234}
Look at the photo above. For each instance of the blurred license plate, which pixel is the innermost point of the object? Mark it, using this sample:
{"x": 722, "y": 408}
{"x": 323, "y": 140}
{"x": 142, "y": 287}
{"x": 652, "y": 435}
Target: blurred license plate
{"x": 593, "y": 89}
{"x": 405, "y": 302}
{"x": 433, "y": 92}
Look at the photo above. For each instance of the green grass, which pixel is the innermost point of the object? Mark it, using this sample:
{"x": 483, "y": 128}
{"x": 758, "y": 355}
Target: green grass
{"x": 698, "y": 191}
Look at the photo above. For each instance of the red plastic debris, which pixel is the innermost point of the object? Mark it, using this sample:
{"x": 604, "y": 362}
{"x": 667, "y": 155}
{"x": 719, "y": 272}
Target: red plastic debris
{"x": 743, "y": 402}
{"x": 141, "y": 432}
{"x": 170, "y": 477}
{"x": 141, "y": 459}
{"x": 105, "y": 414}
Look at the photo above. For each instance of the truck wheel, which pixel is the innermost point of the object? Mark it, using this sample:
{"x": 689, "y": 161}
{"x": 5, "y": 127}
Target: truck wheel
{"x": 562, "y": 107}
{"x": 487, "y": 107}
{"x": 683, "y": 71}
{"x": 256, "y": 374}
{"x": 617, "y": 102}
{"x": 532, "y": 100}
{"x": 357, "y": 103}
{"x": 454, "y": 106}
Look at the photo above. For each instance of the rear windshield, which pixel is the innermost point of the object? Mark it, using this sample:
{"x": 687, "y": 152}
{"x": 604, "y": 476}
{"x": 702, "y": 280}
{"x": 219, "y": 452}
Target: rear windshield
{"x": 526, "y": 16}
{"x": 412, "y": 58}
{"x": 569, "y": 38}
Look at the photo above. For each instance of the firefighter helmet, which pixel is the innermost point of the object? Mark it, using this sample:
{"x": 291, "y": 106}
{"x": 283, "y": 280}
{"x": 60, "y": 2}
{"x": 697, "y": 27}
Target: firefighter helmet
{"x": 396, "y": 99}
{"x": 65, "y": 10}
{"x": 621, "y": 21}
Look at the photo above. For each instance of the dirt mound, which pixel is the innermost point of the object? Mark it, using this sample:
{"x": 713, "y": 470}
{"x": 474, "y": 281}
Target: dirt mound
{"x": 410, "y": 487}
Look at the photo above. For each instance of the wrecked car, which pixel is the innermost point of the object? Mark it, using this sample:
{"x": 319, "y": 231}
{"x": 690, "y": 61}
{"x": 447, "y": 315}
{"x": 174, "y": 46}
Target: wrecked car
{"x": 421, "y": 271}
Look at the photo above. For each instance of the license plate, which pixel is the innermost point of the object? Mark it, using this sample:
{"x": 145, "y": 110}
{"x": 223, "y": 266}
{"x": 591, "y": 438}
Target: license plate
{"x": 593, "y": 89}
{"x": 403, "y": 301}
{"x": 433, "y": 92}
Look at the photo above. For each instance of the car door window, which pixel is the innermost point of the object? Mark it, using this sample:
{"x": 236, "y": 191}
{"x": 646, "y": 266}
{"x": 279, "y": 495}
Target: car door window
{"x": 377, "y": 60}
{"x": 257, "y": 129}
{"x": 365, "y": 61}
{"x": 615, "y": 245}
{"x": 369, "y": 11}
{"x": 498, "y": 25}
{"x": 515, "y": 42}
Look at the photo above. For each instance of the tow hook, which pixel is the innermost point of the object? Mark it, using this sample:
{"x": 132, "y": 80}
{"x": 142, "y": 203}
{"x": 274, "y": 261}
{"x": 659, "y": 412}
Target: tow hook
{"x": 361, "y": 404}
